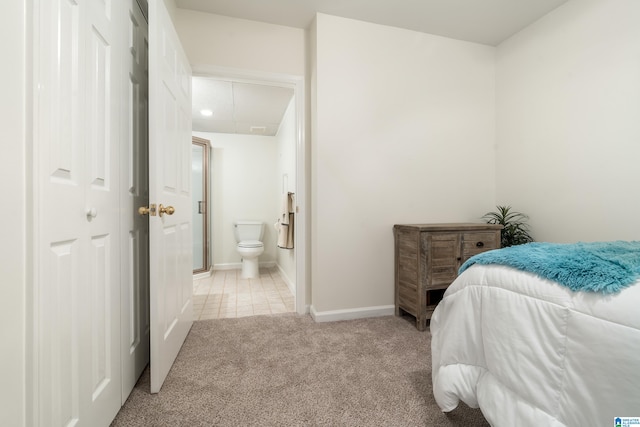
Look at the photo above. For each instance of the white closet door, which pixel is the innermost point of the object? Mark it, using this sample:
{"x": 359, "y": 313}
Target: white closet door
{"x": 77, "y": 288}
{"x": 135, "y": 193}
{"x": 171, "y": 285}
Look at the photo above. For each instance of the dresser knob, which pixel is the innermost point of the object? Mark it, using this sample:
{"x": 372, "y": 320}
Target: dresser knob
{"x": 479, "y": 244}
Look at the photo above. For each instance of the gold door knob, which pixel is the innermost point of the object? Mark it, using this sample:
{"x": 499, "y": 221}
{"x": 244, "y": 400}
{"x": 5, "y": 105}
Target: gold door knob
{"x": 151, "y": 210}
{"x": 169, "y": 210}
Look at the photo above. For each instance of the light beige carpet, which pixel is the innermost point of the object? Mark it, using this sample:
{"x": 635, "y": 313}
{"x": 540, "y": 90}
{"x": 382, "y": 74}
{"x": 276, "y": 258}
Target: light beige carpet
{"x": 287, "y": 370}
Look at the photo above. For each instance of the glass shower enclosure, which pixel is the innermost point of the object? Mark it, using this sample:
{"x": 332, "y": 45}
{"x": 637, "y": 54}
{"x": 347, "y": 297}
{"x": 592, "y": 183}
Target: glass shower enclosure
{"x": 200, "y": 153}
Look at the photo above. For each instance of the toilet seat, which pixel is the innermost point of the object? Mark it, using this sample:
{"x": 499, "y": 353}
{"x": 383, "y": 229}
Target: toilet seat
{"x": 251, "y": 244}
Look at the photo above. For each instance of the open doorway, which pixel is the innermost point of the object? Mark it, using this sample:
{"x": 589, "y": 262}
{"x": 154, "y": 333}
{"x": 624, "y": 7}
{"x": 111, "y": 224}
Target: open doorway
{"x": 254, "y": 128}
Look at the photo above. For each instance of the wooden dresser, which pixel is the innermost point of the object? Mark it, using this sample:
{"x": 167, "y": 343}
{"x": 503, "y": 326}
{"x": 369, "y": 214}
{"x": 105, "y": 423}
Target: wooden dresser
{"x": 427, "y": 259}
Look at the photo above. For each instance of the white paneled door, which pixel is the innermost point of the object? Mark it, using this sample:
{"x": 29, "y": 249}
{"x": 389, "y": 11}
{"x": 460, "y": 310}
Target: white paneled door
{"x": 76, "y": 311}
{"x": 170, "y": 238}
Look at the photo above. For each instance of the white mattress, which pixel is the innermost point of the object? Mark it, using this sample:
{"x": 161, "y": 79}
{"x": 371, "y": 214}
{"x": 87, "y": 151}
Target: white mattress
{"x": 530, "y": 352}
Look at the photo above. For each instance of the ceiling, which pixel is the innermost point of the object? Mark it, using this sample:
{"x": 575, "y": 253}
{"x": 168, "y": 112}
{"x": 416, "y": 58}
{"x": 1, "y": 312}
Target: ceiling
{"x": 480, "y": 21}
{"x": 250, "y": 108}
{"x": 235, "y": 107}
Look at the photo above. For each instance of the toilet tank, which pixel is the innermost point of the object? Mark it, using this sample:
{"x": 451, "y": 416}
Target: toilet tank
{"x": 248, "y": 230}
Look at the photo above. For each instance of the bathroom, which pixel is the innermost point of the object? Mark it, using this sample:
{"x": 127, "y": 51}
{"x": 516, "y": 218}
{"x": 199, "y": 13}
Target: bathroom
{"x": 244, "y": 136}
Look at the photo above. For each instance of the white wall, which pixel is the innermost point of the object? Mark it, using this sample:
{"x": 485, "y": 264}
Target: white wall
{"x": 286, "y": 138}
{"x": 14, "y": 148}
{"x": 245, "y": 185}
{"x": 405, "y": 130}
{"x": 568, "y": 111}
{"x": 214, "y": 40}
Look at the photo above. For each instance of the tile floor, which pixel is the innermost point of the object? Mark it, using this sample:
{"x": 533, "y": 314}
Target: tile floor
{"x": 226, "y": 294}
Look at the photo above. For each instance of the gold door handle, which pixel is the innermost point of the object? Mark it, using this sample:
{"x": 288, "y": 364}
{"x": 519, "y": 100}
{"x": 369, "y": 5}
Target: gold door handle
{"x": 151, "y": 210}
{"x": 169, "y": 210}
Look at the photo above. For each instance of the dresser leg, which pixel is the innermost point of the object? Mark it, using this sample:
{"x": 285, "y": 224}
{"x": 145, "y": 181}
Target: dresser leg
{"x": 421, "y": 323}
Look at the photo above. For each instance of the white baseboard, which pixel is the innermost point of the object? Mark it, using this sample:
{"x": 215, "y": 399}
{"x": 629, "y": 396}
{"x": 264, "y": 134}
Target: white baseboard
{"x": 287, "y": 280}
{"x": 238, "y": 265}
{"x": 229, "y": 266}
{"x": 351, "y": 314}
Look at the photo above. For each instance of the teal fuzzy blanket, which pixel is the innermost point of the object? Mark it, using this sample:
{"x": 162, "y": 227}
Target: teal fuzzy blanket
{"x": 605, "y": 267}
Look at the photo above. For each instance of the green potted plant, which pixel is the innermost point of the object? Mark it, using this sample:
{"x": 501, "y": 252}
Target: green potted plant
{"x": 516, "y": 229}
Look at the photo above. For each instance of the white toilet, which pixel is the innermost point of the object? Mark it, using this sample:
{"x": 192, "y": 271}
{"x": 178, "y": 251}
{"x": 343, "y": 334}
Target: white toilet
{"x": 250, "y": 247}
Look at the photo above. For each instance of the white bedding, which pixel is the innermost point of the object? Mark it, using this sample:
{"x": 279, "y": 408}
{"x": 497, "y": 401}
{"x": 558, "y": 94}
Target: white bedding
{"x": 530, "y": 352}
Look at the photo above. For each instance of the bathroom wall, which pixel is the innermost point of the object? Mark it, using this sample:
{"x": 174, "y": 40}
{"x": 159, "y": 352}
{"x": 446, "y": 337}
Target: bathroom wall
{"x": 568, "y": 136}
{"x": 245, "y": 185}
{"x": 287, "y": 166}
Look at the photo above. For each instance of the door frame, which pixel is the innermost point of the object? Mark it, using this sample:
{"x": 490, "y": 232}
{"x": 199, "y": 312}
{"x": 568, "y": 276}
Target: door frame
{"x": 297, "y": 83}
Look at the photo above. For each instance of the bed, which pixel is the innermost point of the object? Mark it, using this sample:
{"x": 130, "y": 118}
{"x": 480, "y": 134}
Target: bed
{"x": 530, "y": 351}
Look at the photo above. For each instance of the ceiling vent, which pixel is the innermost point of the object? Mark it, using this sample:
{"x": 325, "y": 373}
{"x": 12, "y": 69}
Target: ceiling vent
{"x": 258, "y": 129}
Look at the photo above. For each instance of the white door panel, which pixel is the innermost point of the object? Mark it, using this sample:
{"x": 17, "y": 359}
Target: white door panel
{"x": 59, "y": 331}
{"x": 60, "y": 243}
{"x": 171, "y": 308}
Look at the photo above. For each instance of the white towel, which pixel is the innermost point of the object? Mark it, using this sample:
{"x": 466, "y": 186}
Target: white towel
{"x": 285, "y": 222}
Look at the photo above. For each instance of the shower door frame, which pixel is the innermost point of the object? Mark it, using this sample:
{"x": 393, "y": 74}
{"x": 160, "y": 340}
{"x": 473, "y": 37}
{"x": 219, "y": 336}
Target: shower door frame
{"x": 206, "y": 145}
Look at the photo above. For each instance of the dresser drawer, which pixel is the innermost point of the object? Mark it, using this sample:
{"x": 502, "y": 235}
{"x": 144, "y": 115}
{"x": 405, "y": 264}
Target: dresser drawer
{"x": 477, "y": 242}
